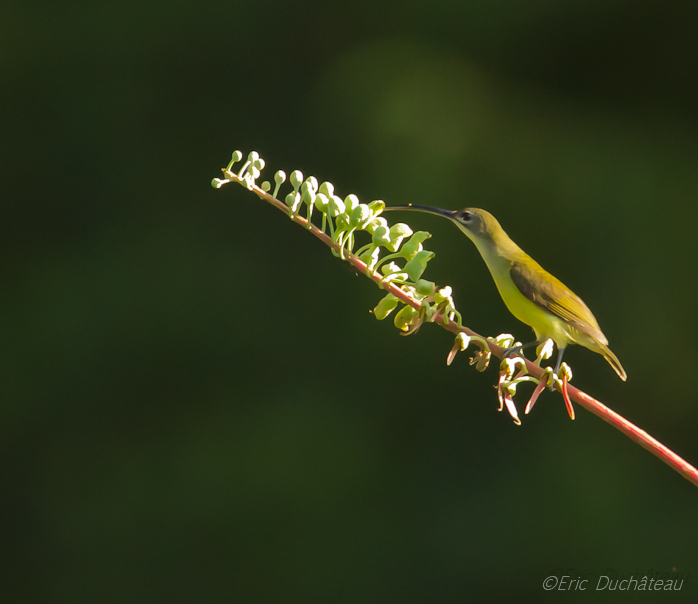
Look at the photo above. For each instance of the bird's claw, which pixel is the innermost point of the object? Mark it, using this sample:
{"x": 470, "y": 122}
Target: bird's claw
{"x": 513, "y": 351}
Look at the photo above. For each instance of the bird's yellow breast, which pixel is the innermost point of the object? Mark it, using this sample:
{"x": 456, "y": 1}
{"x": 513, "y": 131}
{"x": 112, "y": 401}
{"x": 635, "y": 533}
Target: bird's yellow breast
{"x": 544, "y": 324}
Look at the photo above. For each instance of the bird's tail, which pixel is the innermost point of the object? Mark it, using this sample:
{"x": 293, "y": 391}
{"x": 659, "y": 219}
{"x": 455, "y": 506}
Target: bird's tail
{"x": 613, "y": 361}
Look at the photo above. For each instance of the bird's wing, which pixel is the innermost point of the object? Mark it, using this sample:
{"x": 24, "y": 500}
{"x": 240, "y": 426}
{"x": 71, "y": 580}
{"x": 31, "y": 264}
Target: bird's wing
{"x": 550, "y": 294}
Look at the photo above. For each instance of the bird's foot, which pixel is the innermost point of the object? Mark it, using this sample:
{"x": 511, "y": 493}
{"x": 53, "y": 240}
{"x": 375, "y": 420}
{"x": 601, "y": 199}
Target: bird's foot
{"x": 517, "y": 348}
{"x": 514, "y": 351}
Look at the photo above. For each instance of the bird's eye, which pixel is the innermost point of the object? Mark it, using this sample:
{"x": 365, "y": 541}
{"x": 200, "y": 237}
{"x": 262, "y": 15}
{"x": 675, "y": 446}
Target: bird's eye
{"x": 466, "y": 216}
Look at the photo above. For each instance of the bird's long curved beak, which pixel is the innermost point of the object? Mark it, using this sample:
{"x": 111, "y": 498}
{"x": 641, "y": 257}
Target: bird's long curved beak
{"x": 450, "y": 214}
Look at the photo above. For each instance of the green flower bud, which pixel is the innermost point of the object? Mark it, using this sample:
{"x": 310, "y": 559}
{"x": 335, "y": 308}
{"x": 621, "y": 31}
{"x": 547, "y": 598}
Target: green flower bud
{"x": 425, "y": 288}
{"x": 377, "y": 206}
{"x": 414, "y": 244}
{"x": 335, "y": 206}
{"x": 342, "y": 223}
{"x": 296, "y": 179}
{"x": 403, "y": 319}
{"x": 251, "y": 159}
{"x": 376, "y": 223}
{"x": 327, "y": 188}
{"x": 321, "y": 202}
{"x": 266, "y": 186}
{"x": 351, "y": 202}
{"x": 381, "y": 236}
{"x": 387, "y": 305}
{"x": 366, "y": 254}
{"x": 237, "y": 156}
{"x": 370, "y": 257}
{"x": 401, "y": 229}
{"x": 397, "y": 233}
{"x": 293, "y": 201}
{"x": 389, "y": 269}
{"x": 279, "y": 179}
{"x": 443, "y": 294}
{"x": 416, "y": 267}
{"x": 359, "y": 216}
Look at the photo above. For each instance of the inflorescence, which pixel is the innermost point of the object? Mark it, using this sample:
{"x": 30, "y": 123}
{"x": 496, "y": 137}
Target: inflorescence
{"x": 402, "y": 266}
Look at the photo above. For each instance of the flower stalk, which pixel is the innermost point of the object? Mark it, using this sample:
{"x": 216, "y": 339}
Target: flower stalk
{"x": 424, "y": 302}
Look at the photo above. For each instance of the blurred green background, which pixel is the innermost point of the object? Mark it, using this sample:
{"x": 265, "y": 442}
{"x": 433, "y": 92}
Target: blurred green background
{"x": 198, "y": 406}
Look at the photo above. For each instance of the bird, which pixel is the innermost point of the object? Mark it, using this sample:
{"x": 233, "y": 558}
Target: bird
{"x": 532, "y": 294}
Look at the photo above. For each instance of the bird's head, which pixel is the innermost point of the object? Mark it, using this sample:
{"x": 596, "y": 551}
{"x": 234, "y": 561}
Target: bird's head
{"x": 479, "y": 225}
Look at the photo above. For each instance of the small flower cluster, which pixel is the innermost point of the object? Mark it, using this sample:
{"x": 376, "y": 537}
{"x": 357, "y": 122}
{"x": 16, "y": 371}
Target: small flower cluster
{"x": 342, "y": 219}
{"x": 514, "y": 371}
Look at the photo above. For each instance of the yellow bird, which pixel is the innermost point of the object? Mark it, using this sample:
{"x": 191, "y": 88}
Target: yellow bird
{"x": 530, "y": 292}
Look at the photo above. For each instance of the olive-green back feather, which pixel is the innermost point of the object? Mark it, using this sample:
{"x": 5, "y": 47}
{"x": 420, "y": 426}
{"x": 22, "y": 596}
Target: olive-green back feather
{"x": 550, "y": 294}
